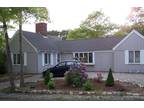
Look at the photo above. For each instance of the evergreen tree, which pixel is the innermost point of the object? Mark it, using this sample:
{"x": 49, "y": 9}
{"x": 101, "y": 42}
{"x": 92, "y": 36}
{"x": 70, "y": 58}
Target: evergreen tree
{"x": 110, "y": 78}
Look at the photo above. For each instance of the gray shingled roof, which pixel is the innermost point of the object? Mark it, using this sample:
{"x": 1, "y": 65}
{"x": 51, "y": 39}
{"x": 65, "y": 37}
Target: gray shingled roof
{"x": 41, "y": 42}
{"x": 106, "y": 43}
{"x": 50, "y": 44}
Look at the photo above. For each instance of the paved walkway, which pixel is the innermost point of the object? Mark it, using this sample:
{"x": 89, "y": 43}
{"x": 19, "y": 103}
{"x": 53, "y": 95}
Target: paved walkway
{"x": 34, "y": 78}
{"x": 127, "y": 77}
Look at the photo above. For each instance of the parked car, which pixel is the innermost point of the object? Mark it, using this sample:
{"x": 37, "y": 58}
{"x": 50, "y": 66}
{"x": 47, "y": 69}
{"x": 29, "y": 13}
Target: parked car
{"x": 60, "y": 69}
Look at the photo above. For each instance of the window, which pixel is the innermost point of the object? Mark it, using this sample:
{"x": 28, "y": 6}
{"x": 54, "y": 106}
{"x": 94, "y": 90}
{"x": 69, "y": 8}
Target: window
{"x": 90, "y": 57}
{"x": 69, "y": 63}
{"x": 45, "y": 58}
{"x": 134, "y": 56}
{"x": 16, "y": 59}
{"x": 137, "y": 56}
{"x": 57, "y": 58}
{"x": 61, "y": 64}
{"x": 49, "y": 58}
{"x": 84, "y": 57}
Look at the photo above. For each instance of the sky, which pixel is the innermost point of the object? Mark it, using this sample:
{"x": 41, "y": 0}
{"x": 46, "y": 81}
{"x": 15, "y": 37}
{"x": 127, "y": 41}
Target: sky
{"x": 68, "y": 14}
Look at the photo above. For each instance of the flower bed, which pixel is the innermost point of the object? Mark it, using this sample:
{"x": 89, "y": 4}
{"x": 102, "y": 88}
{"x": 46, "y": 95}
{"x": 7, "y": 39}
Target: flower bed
{"x": 99, "y": 88}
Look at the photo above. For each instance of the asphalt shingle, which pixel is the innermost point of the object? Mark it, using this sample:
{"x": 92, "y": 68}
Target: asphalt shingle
{"x": 49, "y": 43}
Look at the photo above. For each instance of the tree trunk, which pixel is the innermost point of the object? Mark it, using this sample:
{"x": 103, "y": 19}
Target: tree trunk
{"x": 21, "y": 51}
{"x": 8, "y": 55}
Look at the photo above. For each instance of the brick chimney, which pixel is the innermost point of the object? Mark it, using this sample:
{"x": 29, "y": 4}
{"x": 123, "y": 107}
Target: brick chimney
{"x": 41, "y": 28}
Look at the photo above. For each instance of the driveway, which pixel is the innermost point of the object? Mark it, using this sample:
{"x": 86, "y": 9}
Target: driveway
{"x": 34, "y": 78}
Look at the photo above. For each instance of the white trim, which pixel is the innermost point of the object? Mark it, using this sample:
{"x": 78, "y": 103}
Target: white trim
{"x": 93, "y": 55}
{"x": 125, "y": 38}
{"x": 126, "y": 56}
{"x": 52, "y": 57}
{"x": 12, "y": 58}
{"x": 30, "y": 44}
{"x": 141, "y": 56}
{"x": 56, "y": 58}
{"x": 134, "y": 63}
{"x": 43, "y": 59}
{"x": 25, "y": 58}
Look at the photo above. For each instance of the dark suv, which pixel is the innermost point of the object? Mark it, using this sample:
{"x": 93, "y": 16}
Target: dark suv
{"x": 62, "y": 67}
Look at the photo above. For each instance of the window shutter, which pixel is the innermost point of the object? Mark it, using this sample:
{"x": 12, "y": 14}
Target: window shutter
{"x": 126, "y": 57}
{"x": 42, "y": 59}
{"x": 12, "y": 58}
{"x": 51, "y": 59}
{"x": 93, "y": 55}
{"x": 25, "y": 58}
{"x": 56, "y": 58}
{"x": 141, "y": 56}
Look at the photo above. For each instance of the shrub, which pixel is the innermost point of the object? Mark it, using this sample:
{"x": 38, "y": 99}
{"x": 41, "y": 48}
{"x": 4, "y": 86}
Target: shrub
{"x": 48, "y": 76}
{"x": 75, "y": 78}
{"x": 50, "y": 84}
{"x": 110, "y": 78}
{"x": 77, "y": 81}
{"x": 87, "y": 85}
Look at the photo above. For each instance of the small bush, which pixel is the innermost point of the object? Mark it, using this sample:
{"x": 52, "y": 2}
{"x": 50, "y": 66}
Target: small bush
{"x": 77, "y": 81}
{"x": 47, "y": 77}
{"x": 75, "y": 78}
{"x": 50, "y": 84}
{"x": 110, "y": 78}
{"x": 87, "y": 85}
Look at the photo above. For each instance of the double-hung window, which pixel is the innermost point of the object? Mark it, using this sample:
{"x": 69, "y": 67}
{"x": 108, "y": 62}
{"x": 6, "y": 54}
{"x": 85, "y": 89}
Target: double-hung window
{"x": 85, "y": 57}
{"x": 134, "y": 56}
{"x": 16, "y": 59}
{"x": 46, "y": 58}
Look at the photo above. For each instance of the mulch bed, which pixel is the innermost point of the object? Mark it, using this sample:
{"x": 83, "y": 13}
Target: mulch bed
{"x": 97, "y": 86}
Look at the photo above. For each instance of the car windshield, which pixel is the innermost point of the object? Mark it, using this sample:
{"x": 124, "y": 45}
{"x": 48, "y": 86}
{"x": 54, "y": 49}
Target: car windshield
{"x": 61, "y": 64}
{"x": 70, "y": 63}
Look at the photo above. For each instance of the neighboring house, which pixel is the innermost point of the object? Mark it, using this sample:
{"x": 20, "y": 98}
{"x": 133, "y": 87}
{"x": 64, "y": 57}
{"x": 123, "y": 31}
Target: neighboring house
{"x": 99, "y": 54}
